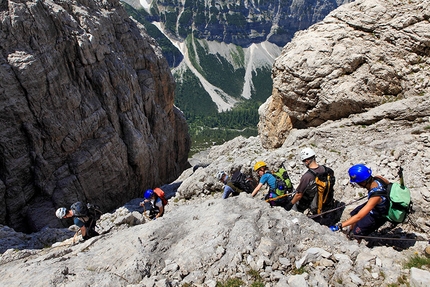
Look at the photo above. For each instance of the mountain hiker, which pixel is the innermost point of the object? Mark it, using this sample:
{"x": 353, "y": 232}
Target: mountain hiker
{"x": 370, "y": 215}
{"x": 157, "y": 202}
{"x": 315, "y": 189}
{"x": 229, "y": 188}
{"x": 266, "y": 177}
{"x": 82, "y": 217}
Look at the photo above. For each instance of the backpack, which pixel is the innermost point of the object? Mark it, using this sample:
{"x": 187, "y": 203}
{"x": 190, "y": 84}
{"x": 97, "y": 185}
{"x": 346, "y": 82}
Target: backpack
{"x": 89, "y": 210}
{"x": 400, "y": 202}
{"x": 242, "y": 182}
{"x": 320, "y": 193}
{"x": 94, "y": 211}
{"x": 283, "y": 181}
{"x": 160, "y": 193}
{"x": 399, "y": 197}
{"x": 79, "y": 209}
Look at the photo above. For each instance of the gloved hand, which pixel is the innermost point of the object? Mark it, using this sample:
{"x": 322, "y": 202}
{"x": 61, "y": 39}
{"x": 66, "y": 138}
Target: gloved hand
{"x": 154, "y": 218}
{"x": 336, "y": 227}
{"x": 288, "y": 206}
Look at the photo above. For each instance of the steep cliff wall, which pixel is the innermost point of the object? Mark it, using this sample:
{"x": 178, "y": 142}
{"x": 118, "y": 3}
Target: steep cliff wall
{"x": 86, "y": 109}
{"x": 363, "y": 54}
{"x": 239, "y": 22}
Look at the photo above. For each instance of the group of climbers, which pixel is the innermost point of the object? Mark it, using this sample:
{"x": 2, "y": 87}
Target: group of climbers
{"x": 85, "y": 216}
{"x": 315, "y": 194}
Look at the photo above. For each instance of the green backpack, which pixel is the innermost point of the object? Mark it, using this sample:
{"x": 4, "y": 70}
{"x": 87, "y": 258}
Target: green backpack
{"x": 283, "y": 181}
{"x": 400, "y": 202}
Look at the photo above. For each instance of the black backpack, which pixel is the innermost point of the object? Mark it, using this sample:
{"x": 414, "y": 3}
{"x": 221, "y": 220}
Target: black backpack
{"x": 89, "y": 210}
{"x": 79, "y": 209}
{"x": 243, "y": 182}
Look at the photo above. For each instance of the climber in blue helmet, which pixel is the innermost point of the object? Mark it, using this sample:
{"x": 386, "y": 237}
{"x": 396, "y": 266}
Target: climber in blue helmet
{"x": 156, "y": 201}
{"x": 370, "y": 215}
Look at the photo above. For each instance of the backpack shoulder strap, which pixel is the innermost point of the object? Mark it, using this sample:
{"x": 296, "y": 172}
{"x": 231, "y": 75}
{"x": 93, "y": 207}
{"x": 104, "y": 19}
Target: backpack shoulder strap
{"x": 380, "y": 190}
{"x": 314, "y": 173}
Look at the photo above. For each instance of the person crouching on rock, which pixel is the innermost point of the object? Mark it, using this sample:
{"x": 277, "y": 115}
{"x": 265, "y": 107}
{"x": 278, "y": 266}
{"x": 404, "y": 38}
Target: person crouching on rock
{"x": 265, "y": 177}
{"x": 81, "y": 218}
{"x": 157, "y": 206}
{"x": 369, "y": 216}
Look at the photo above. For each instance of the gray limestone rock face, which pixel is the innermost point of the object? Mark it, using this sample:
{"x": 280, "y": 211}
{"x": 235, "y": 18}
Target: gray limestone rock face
{"x": 361, "y": 55}
{"x": 86, "y": 110}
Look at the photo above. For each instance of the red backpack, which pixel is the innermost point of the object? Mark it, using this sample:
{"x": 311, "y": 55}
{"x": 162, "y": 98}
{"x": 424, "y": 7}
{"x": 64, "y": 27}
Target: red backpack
{"x": 160, "y": 193}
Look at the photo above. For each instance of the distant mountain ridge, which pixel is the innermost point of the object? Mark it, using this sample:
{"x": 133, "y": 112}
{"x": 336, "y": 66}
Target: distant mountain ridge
{"x": 228, "y": 47}
{"x": 238, "y": 22}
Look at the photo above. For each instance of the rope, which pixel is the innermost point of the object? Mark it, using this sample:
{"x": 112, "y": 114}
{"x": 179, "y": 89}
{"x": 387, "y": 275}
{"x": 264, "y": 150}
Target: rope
{"x": 144, "y": 212}
{"x": 388, "y": 238}
{"x": 278, "y": 197}
{"x": 334, "y": 209}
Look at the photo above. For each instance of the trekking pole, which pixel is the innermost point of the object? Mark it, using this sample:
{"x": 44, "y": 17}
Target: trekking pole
{"x": 339, "y": 207}
{"x": 400, "y": 174}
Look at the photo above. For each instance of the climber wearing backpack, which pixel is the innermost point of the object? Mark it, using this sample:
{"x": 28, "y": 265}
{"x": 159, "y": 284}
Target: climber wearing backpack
{"x": 84, "y": 216}
{"x": 236, "y": 183}
{"x": 229, "y": 188}
{"x": 266, "y": 176}
{"x": 315, "y": 190}
{"x": 157, "y": 200}
{"x": 372, "y": 214}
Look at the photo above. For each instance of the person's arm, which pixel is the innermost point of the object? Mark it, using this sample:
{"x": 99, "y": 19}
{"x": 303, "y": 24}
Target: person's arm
{"x": 297, "y": 197}
{"x": 227, "y": 191}
{"x": 305, "y": 180}
{"x": 160, "y": 211}
{"x": 256, "y": 189}
{"x": 371, "y": 203}
{"x": 81, "y": 224}
{"x": 83, "y": 231}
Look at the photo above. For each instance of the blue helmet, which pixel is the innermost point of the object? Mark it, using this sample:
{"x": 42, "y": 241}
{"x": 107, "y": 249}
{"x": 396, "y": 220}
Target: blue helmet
{"x": 359, "y": 173}
{"x": 148, "y": 194}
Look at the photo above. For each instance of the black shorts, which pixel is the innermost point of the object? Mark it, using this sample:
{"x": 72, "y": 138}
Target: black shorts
{"x": 367, "y": 224}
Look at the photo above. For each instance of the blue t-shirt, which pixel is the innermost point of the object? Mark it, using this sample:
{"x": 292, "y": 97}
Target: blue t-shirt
{"x": 78, "y": 222}
{"x": 269, "y": 179}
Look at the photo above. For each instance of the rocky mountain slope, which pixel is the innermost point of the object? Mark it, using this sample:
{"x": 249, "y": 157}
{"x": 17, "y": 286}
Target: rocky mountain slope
{"x": 203, "y": 239}
{"x": 86, "y": 108}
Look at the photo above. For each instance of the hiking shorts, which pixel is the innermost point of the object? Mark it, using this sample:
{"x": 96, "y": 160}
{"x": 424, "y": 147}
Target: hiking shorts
{"x": 367, "y": 224}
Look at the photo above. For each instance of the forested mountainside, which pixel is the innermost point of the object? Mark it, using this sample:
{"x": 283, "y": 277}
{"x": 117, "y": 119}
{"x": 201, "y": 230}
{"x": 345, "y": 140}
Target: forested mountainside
{"x": 222, "y": 53}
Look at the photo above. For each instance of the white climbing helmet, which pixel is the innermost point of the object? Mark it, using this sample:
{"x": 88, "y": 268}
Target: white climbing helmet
{"x": 61, "y": 212}
{"x": 306, "y": 153}
{"x": 220, "y": 174}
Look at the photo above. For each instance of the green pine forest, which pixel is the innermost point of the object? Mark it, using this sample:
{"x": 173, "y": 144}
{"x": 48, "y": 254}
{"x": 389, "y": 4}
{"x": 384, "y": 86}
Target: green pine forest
{"x": 208, "y": 127}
